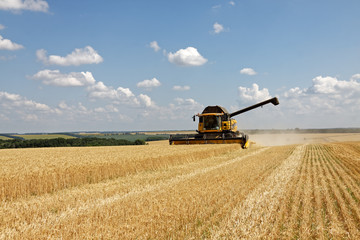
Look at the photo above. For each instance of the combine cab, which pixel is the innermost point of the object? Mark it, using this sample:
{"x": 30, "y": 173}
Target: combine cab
{"x": 216, "y": 126}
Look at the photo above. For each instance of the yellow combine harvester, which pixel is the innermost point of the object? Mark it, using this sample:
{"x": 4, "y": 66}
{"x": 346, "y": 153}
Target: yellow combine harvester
{"x": 216, "y": 126}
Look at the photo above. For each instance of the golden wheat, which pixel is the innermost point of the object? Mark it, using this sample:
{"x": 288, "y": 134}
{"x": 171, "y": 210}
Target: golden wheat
{"x": 26, "y": 172}
{"x": 183, "y": 192}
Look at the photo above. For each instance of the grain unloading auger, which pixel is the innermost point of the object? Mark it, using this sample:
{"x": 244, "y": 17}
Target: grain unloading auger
{"x": 216, "y": 126}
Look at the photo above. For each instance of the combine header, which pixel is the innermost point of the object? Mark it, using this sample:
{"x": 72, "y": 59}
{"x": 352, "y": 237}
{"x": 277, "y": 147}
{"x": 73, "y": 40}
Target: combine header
{"x": 216, "y": 126}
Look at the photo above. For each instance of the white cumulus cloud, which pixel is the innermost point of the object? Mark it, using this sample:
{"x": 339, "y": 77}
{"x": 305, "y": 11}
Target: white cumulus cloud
{"x": 154, "y": 45}
{"x": 355, "y": 77}
{"x": 149, "y": 84}
{"x": 146, "y": 100}
{"x": 95, "y": 89}
{"x": 187, "y": 101}
{"x": 187, "y": 57}
{"x": 100, "y": 90}
{"x": 179, "y": 111}
{"x": 183, "y": 107}
{"x": 16, "y": 102}
{"x": 6, "y": 44}
{"x": 15, "y": 109}
{"x": 248, "y": 71}
{"x": 78, "y": 57}
{"x": 118, "y": 95}
{"x": 19, "y": 5}
{"x": 181, "y": 88}
{"x": 253, "y": 94}
{"x": 56, "y": 78}
{"x": 325, "y": 95}
{"x": 331, "y": 85}
{"x": 218, "y": 28}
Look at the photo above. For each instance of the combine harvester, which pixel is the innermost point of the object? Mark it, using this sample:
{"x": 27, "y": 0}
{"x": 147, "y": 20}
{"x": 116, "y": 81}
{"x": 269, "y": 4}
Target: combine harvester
{"x": 216, "y": 126}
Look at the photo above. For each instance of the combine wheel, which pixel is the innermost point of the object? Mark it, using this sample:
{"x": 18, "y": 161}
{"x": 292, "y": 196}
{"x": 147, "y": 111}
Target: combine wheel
{"x": 245, "y": 143}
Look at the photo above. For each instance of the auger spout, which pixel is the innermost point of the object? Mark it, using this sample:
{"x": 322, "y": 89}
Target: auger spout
{"x": 274, "y": 101}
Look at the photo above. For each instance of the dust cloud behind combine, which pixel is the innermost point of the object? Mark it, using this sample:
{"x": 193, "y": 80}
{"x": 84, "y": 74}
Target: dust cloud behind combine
{"x": 289, "y": 138}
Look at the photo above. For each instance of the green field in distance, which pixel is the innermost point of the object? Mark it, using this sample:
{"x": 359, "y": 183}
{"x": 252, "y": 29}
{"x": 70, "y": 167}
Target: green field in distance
{"x": 43, "y": 136}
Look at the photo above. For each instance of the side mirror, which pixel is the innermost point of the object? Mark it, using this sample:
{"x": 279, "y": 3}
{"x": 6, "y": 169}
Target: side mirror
{"x": 193, "y": 118}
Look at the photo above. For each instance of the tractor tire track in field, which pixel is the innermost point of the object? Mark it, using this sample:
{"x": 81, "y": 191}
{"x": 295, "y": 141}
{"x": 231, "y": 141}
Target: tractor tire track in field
{"x": 325, "y": 197}
{"x": 253, "y": 217}
{"x": 346, "y": 191}
{"x": 313, "y": 195}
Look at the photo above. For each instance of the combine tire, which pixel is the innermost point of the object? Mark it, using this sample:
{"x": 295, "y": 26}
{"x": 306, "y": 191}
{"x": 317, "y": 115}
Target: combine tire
{"x": 245, "y": 144}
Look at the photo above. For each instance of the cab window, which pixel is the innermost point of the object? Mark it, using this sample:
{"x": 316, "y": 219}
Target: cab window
{"x": 212, "y": 122}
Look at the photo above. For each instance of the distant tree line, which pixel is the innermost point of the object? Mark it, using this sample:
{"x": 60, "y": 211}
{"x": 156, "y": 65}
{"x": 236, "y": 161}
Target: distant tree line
{"x": 156, "y": 138}
{"x": 62, "y": 142}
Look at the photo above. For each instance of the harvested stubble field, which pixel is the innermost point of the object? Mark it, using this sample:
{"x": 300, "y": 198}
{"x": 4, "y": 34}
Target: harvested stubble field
{"x": 299, "y": 191}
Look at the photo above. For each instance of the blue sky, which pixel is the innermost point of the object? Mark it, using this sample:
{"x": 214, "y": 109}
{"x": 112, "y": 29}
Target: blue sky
{"x": 151, "y": 65}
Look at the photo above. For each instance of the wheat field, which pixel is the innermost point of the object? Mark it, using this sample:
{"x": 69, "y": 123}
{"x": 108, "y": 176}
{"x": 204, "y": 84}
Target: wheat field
{"x": 298, "y": 191}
